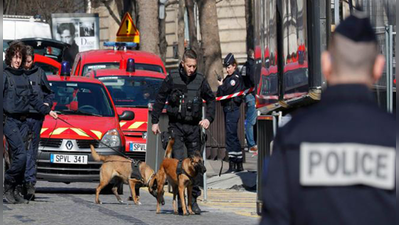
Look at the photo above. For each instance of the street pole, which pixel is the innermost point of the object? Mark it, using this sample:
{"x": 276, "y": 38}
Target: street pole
{"x": 204, "y": 157}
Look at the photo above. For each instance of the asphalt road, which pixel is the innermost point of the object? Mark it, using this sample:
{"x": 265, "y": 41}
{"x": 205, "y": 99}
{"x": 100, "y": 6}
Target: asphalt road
{"x": 59, "y": 204}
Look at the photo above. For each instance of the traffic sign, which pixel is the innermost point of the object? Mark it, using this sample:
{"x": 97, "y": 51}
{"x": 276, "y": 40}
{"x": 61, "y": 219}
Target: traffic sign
{"x": 127, "y": 31}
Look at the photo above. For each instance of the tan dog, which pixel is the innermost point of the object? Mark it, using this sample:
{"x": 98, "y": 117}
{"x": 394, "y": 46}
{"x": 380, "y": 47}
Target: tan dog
{"x": 121, "y": 168}
{"x": 190, "y": 167}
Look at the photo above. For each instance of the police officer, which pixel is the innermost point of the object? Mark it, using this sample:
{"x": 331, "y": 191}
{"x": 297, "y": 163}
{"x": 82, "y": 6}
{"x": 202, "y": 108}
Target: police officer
{"x": 41, "y": 86}
{"x": 185, "y": 89}
{"x": 18, "y": 96}
{"x": 231, "y": 84}
{"x": 335, "y": 162}
{"x": 248, "y": 76}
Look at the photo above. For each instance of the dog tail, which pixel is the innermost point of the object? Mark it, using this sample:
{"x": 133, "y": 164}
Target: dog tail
{"x": 168, "y": 152}
{"x": 96, "y": 156}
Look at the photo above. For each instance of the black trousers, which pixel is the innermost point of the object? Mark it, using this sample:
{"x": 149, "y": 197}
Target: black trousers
{"x": 35, "y": 122}
{"x": 16, "y": 132}
{"x": 233, "y": 146}
{"x": 188, "y": 135}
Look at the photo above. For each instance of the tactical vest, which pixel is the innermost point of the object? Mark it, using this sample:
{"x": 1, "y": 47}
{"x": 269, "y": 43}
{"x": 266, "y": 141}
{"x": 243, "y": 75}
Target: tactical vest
{"x": 185, "y": 102}
{"x": 35, "y": 81}
{"x": 16, "y": 96}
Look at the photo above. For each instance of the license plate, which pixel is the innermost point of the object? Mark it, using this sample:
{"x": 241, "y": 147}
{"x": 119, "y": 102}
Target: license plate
{"x": 68, "y": 159}
{"x": 136, "y": 147}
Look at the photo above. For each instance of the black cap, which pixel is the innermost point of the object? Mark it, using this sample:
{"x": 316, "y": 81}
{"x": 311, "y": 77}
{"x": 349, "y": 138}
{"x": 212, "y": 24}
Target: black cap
{"x": 357, "y": 27}
{"x": 228, "y": 60}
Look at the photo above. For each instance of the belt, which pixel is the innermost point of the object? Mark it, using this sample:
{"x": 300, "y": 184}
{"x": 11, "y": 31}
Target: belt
{"x": 18, "y": 116}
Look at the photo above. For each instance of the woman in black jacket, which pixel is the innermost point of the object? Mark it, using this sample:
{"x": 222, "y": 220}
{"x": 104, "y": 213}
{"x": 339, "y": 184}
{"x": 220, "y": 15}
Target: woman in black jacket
{"x": 231, "y": 84}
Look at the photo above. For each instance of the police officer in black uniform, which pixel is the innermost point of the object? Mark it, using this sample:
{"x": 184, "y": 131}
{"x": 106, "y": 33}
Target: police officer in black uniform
{"x": 185, "y": 89}
{"x": 231, "y": 84}
{"x": 18, "y": 96}
{"x": 41, "y": 86}
{"x": 335, "y": 162}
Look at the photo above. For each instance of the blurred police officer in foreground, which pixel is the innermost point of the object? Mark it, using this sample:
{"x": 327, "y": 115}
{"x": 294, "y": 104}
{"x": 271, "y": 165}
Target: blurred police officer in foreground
{"x": 41, "y": 86}
{"x": 335, "y": 163}
{"x": 231, "y": 84}
{"x": 18, "y": 97}
{"x": 185, "y": 89}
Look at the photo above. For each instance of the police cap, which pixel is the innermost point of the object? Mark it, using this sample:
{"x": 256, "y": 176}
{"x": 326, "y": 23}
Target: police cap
{"x": 228, "y": 60}
{"x": 357, "y": 27}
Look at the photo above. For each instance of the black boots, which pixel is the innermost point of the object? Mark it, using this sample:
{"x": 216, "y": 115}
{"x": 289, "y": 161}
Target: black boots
{"x": 12, "y": 194}
{"x": 235, "y": 167}
{"x": 232, "y": 167}
{"x": 19, "y": 198}
{"x": 9, "y": 193}
{"x": 239, "y": 167}
{"x": 196, "y": 209}
{"x": 30, "y": 191}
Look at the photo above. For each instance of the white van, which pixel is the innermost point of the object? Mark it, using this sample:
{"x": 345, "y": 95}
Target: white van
{"x": 17, "y": 27}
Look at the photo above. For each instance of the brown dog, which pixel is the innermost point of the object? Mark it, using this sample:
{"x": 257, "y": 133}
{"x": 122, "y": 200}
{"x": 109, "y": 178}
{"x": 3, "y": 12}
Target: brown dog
{"x": 120, "y": 169}
{"x": 190, "y": 167}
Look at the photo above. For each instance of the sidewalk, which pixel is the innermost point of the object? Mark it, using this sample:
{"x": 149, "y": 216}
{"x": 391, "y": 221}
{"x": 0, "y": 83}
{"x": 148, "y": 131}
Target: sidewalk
{"x": 233, "y": 192}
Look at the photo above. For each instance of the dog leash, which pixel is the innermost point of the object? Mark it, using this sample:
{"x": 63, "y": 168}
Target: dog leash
{"x": 115, "y": 150}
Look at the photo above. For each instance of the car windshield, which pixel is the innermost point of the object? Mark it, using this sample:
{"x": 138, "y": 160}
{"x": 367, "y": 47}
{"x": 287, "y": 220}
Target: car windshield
{"x": 139, "y": 66}
{"x": 132, "y": 91}
{"x": 80, "y": 98}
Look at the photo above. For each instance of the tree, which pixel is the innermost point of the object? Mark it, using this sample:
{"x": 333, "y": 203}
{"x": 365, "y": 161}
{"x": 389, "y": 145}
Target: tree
{"x": 192, "y": 27}
{"x": 44, "y": 8}
{"x": 180, "y": 31}
{"x": 148, "y": 25}
{"x": 210, "y": 41}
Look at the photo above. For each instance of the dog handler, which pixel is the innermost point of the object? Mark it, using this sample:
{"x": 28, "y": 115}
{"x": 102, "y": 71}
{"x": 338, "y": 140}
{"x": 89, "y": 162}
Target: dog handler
{"x": 185, "y": 89}
{"x": 335, "y": 162}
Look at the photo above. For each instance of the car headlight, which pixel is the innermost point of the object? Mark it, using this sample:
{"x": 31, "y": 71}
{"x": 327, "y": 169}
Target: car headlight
{"x": 111, "y": 139}
{"x": 144, "y": 135}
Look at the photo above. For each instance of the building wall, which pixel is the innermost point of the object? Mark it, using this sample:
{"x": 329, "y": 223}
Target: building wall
{"x": 108, "y": 25}
{"x": 232, "y": 30}
{"x": 231, "y": 21}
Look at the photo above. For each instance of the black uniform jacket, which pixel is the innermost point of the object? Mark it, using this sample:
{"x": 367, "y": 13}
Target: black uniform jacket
{"x": 166, "y": 89}
{"x": 231, "y": 84}
{"x": 34, "y": 101}
{"x": 347, "y": 115}
{"x": 34, "y": 74}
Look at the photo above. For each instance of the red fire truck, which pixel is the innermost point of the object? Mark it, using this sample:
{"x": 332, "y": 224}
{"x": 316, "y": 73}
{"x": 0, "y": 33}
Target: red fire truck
{"x": 112, "y": 59}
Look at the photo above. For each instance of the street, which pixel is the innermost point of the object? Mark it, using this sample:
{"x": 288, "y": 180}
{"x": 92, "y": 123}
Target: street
{"x": 59, "y": 204}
